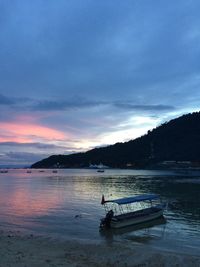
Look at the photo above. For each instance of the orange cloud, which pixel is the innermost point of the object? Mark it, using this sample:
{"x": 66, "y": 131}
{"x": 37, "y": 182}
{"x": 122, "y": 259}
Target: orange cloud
{"x": 28, "y": 132}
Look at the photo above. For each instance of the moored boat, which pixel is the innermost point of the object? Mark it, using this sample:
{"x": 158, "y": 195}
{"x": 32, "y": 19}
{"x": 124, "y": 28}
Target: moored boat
{"x": 100, "y": 170}
{"x": 4, "y": 171}
{"x": 131, "y": 210}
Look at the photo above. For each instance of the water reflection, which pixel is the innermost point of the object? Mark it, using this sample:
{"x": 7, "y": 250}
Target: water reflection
{"x": 144, "y": 236}
{"x": 67, "y": 203}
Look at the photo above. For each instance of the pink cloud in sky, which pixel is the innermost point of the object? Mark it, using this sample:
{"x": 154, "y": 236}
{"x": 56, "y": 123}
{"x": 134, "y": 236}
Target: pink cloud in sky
{"x": 28, "y": 132}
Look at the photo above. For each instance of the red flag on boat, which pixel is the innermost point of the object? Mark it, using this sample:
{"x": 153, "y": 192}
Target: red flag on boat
{"x": 102, "y": 200}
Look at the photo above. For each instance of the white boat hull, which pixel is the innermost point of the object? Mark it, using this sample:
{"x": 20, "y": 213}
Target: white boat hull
{"x": 119, "y": 223}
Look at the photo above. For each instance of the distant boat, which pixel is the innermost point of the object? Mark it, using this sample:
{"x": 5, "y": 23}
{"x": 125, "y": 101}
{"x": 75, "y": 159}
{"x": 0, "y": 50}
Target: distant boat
{"x": 3, "y": 171}
{"x": 122, "y": 212}
{"x": 54, "y": 171}
{"x": 100, "y": 170}
{"x": 28, "y": 171}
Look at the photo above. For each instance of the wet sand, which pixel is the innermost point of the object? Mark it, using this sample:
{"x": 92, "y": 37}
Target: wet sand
{"x": 18, "y": 250}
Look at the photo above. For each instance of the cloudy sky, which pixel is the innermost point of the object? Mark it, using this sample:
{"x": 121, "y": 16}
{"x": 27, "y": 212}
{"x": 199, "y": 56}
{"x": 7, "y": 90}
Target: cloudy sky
{"x": 79, "y": 74}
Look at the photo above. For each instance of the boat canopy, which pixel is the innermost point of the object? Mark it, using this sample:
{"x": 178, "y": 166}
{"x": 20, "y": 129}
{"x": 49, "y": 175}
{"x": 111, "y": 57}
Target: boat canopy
{"x": 134, "y": 199}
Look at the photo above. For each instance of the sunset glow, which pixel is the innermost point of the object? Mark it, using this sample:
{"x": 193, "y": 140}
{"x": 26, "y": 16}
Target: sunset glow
{"x": 14, "y": 132}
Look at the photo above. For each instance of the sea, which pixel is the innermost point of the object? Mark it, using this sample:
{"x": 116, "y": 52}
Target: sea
{"x": 67, "y": 204}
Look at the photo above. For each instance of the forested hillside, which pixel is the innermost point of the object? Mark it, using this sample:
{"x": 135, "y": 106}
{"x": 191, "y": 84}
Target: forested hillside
{"x": 176, "y": 140}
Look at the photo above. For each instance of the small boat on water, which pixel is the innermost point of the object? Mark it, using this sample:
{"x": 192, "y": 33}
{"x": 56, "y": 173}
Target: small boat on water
{"x": 4, "y": 171}
{"x": 100, "y": 170}
{"x": 131, "y": 210}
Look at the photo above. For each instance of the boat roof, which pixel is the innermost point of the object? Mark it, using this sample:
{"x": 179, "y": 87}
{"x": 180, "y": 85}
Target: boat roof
{"x": 128, "y": 200}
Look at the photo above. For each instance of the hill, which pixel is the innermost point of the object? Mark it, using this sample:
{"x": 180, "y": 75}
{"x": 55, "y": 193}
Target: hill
{"x": 175, "y": 141}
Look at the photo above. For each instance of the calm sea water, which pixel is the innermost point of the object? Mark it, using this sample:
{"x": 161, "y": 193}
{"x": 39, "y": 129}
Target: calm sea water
{"x": 67, "y": 205}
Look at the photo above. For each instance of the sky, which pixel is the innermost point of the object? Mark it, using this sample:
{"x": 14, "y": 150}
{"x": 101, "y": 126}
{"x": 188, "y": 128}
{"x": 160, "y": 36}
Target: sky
{"x": 80, "y": 74}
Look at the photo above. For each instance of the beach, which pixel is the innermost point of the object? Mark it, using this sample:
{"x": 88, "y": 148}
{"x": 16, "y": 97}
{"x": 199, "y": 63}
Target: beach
{"x": 19, "y": 250}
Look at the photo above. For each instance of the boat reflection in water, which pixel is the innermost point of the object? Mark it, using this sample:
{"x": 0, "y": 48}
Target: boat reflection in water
{"x": 140, "y": 233}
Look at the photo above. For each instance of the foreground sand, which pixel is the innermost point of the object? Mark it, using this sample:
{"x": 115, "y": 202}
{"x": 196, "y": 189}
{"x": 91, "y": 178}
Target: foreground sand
{"x": 35, "y": 251}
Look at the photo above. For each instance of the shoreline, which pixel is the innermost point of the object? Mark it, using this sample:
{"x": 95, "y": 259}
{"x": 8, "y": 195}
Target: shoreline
{"x": 19, "y": 250}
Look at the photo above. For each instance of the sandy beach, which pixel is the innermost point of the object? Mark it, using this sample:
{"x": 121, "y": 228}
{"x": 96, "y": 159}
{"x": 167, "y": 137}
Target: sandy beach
{"x": 18, "y": 250}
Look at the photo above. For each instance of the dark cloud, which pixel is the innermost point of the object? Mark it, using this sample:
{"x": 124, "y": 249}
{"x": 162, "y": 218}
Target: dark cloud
{"x": 128, "y": 106}
{"x": 20, "y": 158}
{"x": 74, "y": 103}
{"x": 39, "y": 147}
{"x": 6, "y": 100}
{"x": 34, "y": 145}
{"x": 13, "y": 153}
{"x": 80, "y": 103}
